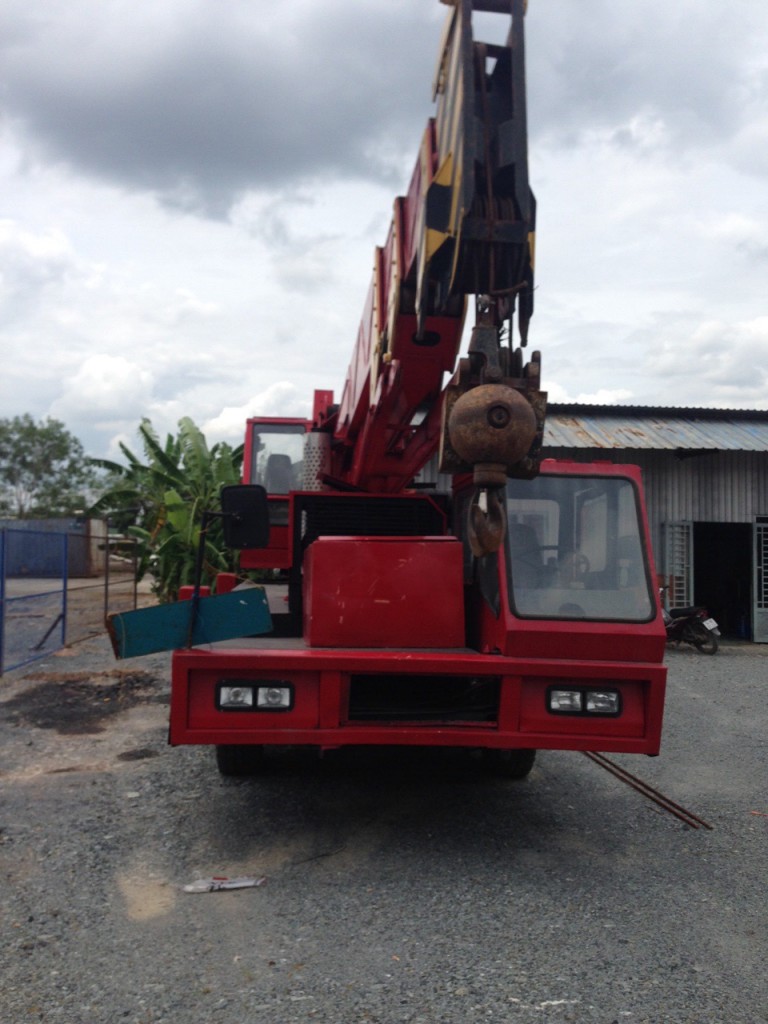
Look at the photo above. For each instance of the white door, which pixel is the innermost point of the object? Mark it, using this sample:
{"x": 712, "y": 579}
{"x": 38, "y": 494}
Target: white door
{"x": 678, "y": 564}
{"x": 760, "y": 587}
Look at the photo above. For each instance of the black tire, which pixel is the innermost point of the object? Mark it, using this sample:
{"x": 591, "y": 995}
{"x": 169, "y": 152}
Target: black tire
{"x": 510, "y": 764}
{"x": 239, "y": 761}
{"x": 703, "y": 639}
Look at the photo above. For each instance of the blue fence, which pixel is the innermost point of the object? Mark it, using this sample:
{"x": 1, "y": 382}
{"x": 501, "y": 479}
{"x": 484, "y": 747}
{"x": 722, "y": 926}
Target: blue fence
{"x": 46, "y": 598}
{"x": 33, "y": 609}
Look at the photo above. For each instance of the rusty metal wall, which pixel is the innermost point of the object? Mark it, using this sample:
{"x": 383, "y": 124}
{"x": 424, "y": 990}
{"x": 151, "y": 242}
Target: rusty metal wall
{"x": 646, "y": 428}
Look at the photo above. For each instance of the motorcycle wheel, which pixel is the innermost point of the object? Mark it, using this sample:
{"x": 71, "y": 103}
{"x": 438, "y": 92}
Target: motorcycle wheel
{"x": 703, "y": 639}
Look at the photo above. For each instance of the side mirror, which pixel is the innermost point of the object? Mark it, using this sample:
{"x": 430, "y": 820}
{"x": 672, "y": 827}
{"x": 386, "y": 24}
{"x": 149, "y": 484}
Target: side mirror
{"x": 245, "y": 516}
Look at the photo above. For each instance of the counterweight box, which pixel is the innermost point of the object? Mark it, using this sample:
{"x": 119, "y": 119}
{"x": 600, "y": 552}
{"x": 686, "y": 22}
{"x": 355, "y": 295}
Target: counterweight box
{"x": 384, "y": 592}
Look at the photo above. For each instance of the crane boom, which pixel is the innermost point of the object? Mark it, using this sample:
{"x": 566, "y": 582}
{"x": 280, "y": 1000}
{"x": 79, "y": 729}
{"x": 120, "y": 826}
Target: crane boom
{"x": 465, "y": 227}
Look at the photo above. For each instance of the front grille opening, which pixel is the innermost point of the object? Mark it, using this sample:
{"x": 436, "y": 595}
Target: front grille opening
{"x": 359, "y": 515}
{"x": 386, "y": 698}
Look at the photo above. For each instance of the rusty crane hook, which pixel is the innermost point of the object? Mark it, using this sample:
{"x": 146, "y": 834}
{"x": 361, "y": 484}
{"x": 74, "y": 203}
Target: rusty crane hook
{"x": 486, "y": 526}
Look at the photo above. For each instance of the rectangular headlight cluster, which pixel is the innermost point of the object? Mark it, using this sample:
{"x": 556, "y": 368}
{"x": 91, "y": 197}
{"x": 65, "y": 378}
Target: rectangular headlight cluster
{"x": 583, "y": 701}
{"x": 245, "y": 695}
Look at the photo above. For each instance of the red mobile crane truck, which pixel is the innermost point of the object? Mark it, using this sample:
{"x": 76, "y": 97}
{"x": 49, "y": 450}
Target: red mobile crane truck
{"x": 515, "y": 609}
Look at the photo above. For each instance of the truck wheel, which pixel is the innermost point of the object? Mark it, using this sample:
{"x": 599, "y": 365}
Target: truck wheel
{"x": 234, "y": 759}
{"x": 510, "y": 764}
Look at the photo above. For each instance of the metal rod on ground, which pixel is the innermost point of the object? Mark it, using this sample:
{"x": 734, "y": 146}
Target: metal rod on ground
{"x": 41, "y": 644}
{"x": 686, "y": 816}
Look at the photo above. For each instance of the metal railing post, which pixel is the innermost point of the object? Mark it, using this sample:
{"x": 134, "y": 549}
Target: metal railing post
{"x": 64, "y": 587}
{"x": 106, "y": 575}
{"x": 2, "y": 601}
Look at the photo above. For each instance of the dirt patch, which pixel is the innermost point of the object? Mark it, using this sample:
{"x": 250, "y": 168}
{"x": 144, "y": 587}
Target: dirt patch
{"x": 76, "y": 704}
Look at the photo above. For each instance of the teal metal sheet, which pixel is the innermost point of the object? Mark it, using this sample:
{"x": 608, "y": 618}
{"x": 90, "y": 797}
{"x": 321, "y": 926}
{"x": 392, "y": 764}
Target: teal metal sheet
{"x": 165, "y": 627}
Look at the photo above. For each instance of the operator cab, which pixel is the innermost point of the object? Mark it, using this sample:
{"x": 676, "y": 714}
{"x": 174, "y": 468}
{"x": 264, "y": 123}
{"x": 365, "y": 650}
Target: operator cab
{"x": 274, "y": 458}
{"x": 574, "y": 574}
{"x": 575, "y": 550}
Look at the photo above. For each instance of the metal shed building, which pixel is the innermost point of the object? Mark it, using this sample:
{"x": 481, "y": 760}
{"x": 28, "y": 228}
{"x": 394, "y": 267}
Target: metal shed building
{"x": 706, "y": 482}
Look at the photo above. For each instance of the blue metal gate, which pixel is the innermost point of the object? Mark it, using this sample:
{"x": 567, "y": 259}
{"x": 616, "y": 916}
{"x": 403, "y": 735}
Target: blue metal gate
{"x": 33, "y": 609}
{"x": 57, "y": 586}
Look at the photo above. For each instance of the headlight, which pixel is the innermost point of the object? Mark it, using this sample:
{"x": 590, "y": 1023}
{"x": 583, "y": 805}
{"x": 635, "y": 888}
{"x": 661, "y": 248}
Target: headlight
{"x": 566, "y": 700}
{"x": 248, "y": 695}
{"x": 603, "y": 702}
{"x": 236, "y": 697}
{"x": 583, "y": 701}
{"x": 273, "y": 697}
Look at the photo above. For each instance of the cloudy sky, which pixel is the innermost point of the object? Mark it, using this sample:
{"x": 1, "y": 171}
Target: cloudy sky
{"x": 191, "y": 190}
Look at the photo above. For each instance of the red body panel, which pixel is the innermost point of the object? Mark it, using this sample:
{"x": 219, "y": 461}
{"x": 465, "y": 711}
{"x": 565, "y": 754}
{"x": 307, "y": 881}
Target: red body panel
{"x": 380, "y": 592}
{"x": 278, "y": 555}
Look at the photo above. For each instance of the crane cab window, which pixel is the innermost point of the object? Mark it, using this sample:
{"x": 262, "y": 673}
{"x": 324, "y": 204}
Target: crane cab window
{"x": 277, "y": 457}
{"x": 575, "y": 550}
{"x": 277, "y": 463}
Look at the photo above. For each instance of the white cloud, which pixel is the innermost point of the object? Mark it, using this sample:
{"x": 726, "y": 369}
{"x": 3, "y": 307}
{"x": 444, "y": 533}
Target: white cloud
{"x": 279, "y": 399}
{"x": 285, "y": 93}
{"x": 606, "y": 396}
{"x": 201, "y": 244}
{"x": 745, "y": 234}
{"x": 184, "y": 306}
{"x": 721, "y": 363}
{"x": 101, "y": 389}
{"x": 29, "y": 263}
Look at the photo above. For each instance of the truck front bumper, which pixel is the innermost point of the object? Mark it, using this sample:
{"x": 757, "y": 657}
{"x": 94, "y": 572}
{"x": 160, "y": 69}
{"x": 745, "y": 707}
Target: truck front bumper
{"x": 453, "y": 698}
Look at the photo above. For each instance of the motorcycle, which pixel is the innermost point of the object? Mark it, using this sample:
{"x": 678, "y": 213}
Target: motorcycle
{"x": 692, "y": 625}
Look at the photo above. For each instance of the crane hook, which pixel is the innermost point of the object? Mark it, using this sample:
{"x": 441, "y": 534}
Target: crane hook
{"x": 486, "y": 526}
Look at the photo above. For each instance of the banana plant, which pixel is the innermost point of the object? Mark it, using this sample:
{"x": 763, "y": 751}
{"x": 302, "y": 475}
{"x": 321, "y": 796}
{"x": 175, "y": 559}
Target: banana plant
{"x": 160, "y": 503}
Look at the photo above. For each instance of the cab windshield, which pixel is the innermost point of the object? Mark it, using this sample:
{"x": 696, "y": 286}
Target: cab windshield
{"x": 277, "y": 460}
{"x": 575, "y": 550}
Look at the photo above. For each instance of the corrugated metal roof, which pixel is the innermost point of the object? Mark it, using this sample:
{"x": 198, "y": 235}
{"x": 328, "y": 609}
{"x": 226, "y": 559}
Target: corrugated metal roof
{"x": 572, "y": 426}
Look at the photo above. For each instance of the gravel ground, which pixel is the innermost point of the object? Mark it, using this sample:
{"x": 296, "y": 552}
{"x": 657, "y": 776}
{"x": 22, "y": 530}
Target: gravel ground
{"x": 398, "y": 887}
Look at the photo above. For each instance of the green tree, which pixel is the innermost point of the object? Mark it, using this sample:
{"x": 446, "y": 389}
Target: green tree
{"x": 160, "y": 501}
{"x": 43, "y": 469}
